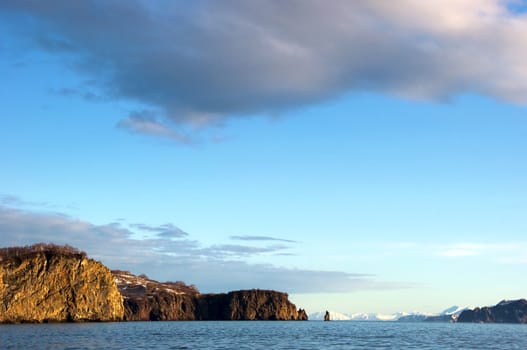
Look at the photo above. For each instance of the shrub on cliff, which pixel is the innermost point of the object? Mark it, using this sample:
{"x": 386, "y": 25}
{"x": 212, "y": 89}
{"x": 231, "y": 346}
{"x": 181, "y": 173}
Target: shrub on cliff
{"x": 46, "y": 248}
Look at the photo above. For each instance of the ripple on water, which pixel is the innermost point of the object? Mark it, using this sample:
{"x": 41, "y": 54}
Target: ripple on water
{"x": 263, "y": 335}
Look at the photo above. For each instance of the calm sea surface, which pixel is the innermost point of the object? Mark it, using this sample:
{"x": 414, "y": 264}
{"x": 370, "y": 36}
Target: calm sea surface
{"x": 263, "y": 335}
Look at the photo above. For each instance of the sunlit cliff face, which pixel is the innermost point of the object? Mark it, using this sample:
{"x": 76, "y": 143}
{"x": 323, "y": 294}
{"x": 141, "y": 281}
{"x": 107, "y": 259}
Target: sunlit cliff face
{"x": 53, "y": 284}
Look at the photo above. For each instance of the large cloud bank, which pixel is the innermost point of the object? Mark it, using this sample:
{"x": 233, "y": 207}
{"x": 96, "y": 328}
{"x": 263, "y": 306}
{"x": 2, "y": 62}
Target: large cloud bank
{"x": 200, "y": 62}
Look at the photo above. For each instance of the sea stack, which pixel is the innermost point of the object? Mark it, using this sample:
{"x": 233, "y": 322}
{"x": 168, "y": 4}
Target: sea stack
{"x": 326, "y": 316}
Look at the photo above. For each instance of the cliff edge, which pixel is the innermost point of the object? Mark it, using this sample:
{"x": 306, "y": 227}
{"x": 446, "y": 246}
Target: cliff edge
{"x": 50, "y": 283}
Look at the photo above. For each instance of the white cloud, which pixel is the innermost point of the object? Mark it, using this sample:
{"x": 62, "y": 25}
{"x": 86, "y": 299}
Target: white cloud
{"x": 496, "y": 252}
{"x": 464, "y": 249}
{"x": 459, "y": 252}
{"x": 144, "y": 123}
{"x": 492, "y": 251}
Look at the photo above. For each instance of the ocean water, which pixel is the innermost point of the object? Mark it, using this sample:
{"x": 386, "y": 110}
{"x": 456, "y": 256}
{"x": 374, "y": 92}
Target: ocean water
{"x": 263, "y": 335}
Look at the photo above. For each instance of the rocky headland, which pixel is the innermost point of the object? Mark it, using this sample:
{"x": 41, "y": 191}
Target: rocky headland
{"x": 506, "y": 311}
{"x": 149, "y": 300}
{"x": 50, "y": 283}
{"x": 253, "y": 304}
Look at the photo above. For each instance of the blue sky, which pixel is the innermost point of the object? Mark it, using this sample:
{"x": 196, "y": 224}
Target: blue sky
{"x": 364, "y": 164}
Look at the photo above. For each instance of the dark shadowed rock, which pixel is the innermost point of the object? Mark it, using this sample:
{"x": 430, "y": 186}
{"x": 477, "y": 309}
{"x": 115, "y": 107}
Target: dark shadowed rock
{"x": 302, "y": 315}
{"x": 507, "y": 311}
{"x": 254, "y": 304}
{"x": 146, "y": 299}
{"x": 149, "y": 300}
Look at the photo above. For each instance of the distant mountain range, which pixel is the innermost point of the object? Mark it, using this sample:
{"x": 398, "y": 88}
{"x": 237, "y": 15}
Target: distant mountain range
{"x": 448, "y": 315}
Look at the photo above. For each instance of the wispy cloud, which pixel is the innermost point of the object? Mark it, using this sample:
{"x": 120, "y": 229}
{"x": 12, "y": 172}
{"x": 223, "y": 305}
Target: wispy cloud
{"x": 10, "y": 200}
{"x": 498, "y": 252}
{"x": 81, "y": 93}
{"x": 205, "y": 61}
{"x": 144, "y": 122}
{"x": 235, "y": 250}
{"x": 162, "y": 231}
{"x": 261, "y": 238}
{"x": 464, "y": 249}
{"x": 172, "y": 255}
{"x": 495, "y": 251}
{"x": 460, "y": 252}
{"x": 15, "y": 201}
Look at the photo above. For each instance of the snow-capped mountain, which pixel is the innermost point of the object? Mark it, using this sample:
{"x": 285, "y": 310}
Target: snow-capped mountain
{"x": 447, "y": 315}
{"x": 453, "y": 310}
{"x": 376, "y": 316}
{"x": 337, "y": 316}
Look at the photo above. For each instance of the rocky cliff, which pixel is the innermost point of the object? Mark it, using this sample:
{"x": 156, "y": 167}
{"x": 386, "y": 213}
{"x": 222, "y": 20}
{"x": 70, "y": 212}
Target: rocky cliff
{"x": 146, "y": 299}
{"x": 253, "y": 304}
{"x": 507, "y": 311}
{"x": 48, "y": 283}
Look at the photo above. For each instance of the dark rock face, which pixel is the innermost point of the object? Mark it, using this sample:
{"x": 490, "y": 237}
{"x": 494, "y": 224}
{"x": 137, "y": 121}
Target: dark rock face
{"x": 162, "y": 306}
{"x": 148, "y": 300}
{"x": 302, "y": 315}
{"x": 514, "y": 311}
{"x": 251, "y": 304}
{"x": 257, "y": 304}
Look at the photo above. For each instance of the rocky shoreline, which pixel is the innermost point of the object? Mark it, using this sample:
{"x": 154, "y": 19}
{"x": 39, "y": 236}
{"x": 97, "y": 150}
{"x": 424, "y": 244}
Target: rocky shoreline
{"x": 506, "y": 311}
{"x": 50, "y": 283}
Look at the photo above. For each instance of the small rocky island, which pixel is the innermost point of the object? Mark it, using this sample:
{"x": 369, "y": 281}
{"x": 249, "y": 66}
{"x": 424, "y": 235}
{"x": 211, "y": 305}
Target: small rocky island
{"x": 327, "y": 316}
{"x": 51, "y": 283}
